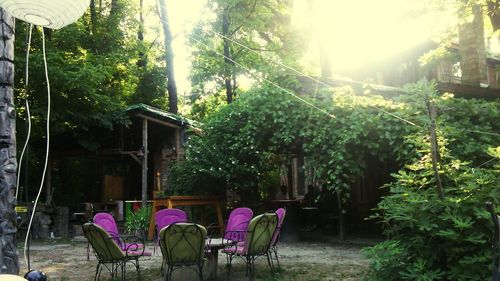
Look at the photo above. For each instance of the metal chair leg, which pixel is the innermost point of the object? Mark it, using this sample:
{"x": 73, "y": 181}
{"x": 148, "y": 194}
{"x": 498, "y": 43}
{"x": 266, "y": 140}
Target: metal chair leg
{"x": 171, "y": 271}
{"x": 252, "y": 269}
{"x": 88, "y": 251}
{"x": 122, "y": 266}
{"x": 97, "y": 272}
{"x": 138, "y": 269}
{"x": 229, "y": 258}
{"x": 271, "y": 267}
{"x": 200, "y": 272}
{"x": 277, "y": 259}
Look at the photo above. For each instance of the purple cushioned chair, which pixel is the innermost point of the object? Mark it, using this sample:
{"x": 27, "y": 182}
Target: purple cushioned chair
{"x": 237, "y": 224}
{"x": 258, "y": 236}
{"x": 281, "y": 212}
{"x": 166, "y": 217}
{"x": 107, "y": 222}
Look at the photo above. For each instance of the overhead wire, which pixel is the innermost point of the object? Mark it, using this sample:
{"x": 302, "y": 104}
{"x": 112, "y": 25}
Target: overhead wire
{"x": 382, "y": 87}
{"x": 295, "y": 71}
{"x": 28, "y": 134}
{"x": 318, "y": 81}
{"x": 46, "y": 152}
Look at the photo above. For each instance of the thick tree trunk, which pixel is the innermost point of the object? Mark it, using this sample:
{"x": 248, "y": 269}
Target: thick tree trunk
{"x": 472, "y": 49}
{"x": 8, "y": 165}
{"x": 228, "y": 64}
{"x": 169, "y": 57}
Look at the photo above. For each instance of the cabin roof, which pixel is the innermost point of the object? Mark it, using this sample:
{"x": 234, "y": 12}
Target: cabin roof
{"x": 153, "y": 112}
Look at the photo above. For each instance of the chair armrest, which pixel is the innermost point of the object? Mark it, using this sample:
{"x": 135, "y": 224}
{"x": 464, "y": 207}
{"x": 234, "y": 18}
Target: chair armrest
{"x": 134, "y": 245}
{"x": 235, "y": 235}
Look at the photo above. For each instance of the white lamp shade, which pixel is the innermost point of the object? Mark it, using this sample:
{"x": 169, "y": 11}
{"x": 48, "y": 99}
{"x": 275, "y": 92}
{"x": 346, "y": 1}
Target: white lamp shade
{"x": 8, "y": 277}
{"x": 53, "y": 14}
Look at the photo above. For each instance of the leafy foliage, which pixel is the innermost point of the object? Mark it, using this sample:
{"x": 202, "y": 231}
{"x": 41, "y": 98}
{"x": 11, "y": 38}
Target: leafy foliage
{"x": 138, "y": 220}
{"x": 442, "y": 239}
{"x": 257, "y": 35}
{"x": 434, "y": 239}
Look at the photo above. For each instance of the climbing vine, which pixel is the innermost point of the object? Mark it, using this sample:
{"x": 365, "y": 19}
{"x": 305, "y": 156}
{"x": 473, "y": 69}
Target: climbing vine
{"x": 264, "y": 127}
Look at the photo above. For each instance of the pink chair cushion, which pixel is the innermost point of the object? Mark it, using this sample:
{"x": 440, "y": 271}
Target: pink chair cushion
{"x": 107, "y": 222}
{"x": 281, "y": 212}
{"x": 237, "y": 249}
{"x": 237, "y": 224}
{"x": 166, "y": 217}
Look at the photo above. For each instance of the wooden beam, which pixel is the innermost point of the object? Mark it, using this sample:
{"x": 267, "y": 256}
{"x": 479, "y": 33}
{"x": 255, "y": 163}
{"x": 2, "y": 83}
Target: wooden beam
{"x": 144, "y": 197}
{"x": 158, "y": 121}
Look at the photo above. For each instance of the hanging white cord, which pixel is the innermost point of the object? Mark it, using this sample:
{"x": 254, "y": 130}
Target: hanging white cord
{"x": 27, "y": 111}
{"x": 46, "y": 151}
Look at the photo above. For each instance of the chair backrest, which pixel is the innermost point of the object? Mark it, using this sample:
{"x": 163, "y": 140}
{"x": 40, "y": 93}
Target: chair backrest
{"x": 107, "y": 222}
{"x": 260, "y": 232}
{"x": 103, "y": 244}
{"x": 237, "y": 224}
{"x": 281, "y": 213}
{"x": 166, "y": 217}
{"x": 183, "y": 243}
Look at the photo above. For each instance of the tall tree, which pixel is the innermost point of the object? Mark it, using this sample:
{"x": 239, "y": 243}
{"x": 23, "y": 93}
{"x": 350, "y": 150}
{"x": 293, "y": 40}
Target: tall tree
{"x": 228, "y": 61}
{"x": 323, "y": 47}
{"x": 472, "y": 47}
{"x": 169, "y": 58}
{"x": 244, "y": 41}
{"x": 8, "y": 253}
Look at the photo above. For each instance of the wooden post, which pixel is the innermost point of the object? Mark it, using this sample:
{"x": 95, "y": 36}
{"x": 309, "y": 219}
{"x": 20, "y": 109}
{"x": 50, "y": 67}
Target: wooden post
{"x": 144, "y": 197}
{"x": 434, "y": 147}
{"x": 9, "y": 259}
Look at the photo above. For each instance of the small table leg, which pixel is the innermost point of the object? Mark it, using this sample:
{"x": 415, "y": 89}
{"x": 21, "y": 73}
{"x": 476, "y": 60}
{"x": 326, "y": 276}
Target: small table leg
{"x": 213, "y": 259}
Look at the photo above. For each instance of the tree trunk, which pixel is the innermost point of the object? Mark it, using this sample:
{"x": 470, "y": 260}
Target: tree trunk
{"x": 324, "y": 60}
{"x": 8, "y": 253}
{"x": 140, "y": 35}
{"x": 494, "y": 14}
{"x": 169, "y": 57}
{"x": 472, "y": 49}
{"x": 93, "y": 17}
{"x": 114, "y": 7}
{"x": 228, "y": 64}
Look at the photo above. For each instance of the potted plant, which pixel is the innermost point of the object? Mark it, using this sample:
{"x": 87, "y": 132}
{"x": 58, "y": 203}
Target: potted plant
{"x": 137, "y": 222}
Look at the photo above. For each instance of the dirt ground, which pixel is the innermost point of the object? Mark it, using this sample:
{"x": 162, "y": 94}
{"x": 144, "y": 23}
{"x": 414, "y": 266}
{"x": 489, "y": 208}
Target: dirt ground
{"x": 328, "y": 260}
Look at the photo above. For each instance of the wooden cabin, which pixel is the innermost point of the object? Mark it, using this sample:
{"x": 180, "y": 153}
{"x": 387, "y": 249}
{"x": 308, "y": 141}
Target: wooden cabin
{"x": 128, "y": 164}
